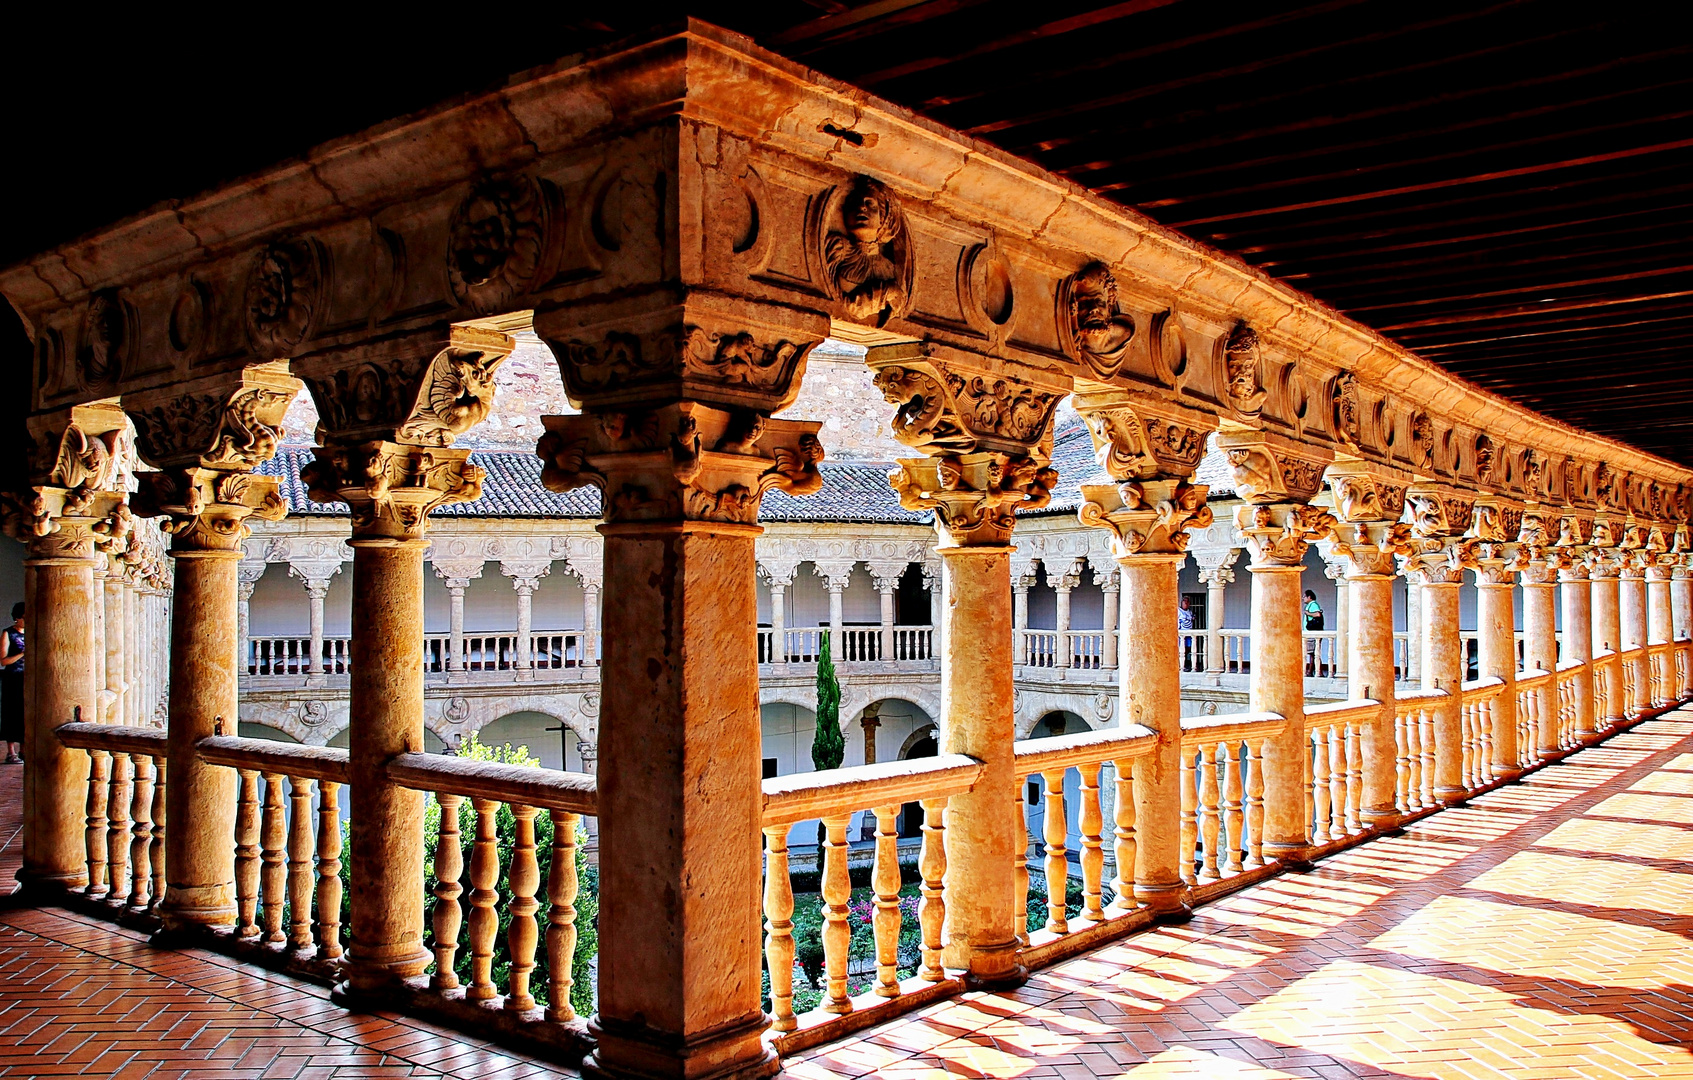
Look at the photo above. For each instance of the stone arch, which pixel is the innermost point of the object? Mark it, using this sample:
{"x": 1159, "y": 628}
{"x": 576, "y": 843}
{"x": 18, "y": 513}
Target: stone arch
{"x": 530, "y": 728}
{"x": 1059, "y": 722}
{"x": 930, "y": 733}
{"x": 252, "y": 729}
{"x": 432, "y": 743}
{"x": 857, "y": 695}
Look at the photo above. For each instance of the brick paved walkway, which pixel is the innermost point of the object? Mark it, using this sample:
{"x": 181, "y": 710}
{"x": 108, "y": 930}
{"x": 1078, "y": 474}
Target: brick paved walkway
{"x": 1541, "y": 931}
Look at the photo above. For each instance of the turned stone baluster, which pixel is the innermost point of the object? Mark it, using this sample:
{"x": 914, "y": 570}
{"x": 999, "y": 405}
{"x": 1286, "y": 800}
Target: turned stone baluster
{"x": 449, "y": 917}
{"x": 779, "y": 926}
{"x": 95, "y": 836}
{"x": 273, "y": 870}
{"x": 484, "y": 921}
{"x": 931, "y": 910}
{"x": 885, "y": 880}
{"x": 837, "y": 893}
{"x": 141, "y": 834}
{"x": 1337, "y": 780}
{"x": 1255, "y": 803}
{"x": 1020, "y": 871}
{"x": 156, "y": 846}
{"x": 1209, "y": 822}
{"x": 300, "y": 856}
{"x": 1057, "y": 866}
{"x": 1190, "y": 817}
{"x": 117, "y": 831}
{"x": 1123, "y": 837}
{"x": 1090, "y": 819}
{"x": 247, "y": 854}
{"x": 1320, "y": 786}
{"x": 328, "y": 928}
{"x": 561, "y": 918}
{"x": 523, "y": 936}
{"x": 1233, "y": 807}
{"x": 1354, "y": 776}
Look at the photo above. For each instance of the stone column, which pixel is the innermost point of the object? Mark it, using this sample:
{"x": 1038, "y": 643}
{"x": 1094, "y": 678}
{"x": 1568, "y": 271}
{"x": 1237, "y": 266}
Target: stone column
{"x": 1109, "y": 582}
{"x": 1148, "y": 514}
{"x": 1278, "y": 477}
{"x": 525, "y": 579}
{"x": 247, "y": 576}
{"x": 836, "y": 577}
{"x": 1216, "y": 572}
{"x": 119, "y": 640}
{"x": 591, "y": 622}
{"x": 1335, "y": 569}
{"x": 134, "y": 616}
{"x": 1495, "y": 571}
{"x": 208, "y": 492}
{"x": 985, "y": 466}
{"x": 390, "y": 458}
{"x": 1021, "y": 583}
{"x": 315, "y": 577}
{"x": 1540, "y": 642}
{"x": 932, "y": 580}
{"x": 780, "y": 577}
{"x": 1369, "y": 500}
{"x": 869, "y": 722}
{"x": 75, "y": 504}
{"x": 1569, "y": 555}
{"x": 1062, "y": 585}
{"x": 1631, "y": 611}
{"x": 1603, "y": 566}
{"x": 886, "y": 577}
{"x": 1413, "y": 634}
{"x": 1439, "y": 515}
{"x": 457, "y": 575}
{"x": 1681, "y": 599}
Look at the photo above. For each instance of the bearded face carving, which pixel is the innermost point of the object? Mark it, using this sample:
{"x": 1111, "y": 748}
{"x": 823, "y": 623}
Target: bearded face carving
{"x": 1098, "y": 333}
{"x": 1242, "y": 369}
{"x": 868, "y": 260}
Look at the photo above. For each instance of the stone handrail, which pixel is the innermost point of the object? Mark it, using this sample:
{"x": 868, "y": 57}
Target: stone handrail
{"x": 523, "y": 785}
{"x": 1484, "y": 687}
{"x": 788, "y": 799}
{"x": 112, "y": 738}
{"x": 1087, "y": 748}
{"x": 283, "y": 759}
{"x": 1340, "y": 712}
{"x": 1533, "y": 678}
{"x": 1407, "y": 698}
{"x": 1200, "y": 731}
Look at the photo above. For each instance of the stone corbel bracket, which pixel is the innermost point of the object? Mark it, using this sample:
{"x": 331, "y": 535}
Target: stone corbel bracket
{"x": 1140, "y": 436}
{"x": 1146, "y": 517}
{"x": 1271, "y": 468}
{"x": 686, "y": 462}
{"x": 953, "y": 402}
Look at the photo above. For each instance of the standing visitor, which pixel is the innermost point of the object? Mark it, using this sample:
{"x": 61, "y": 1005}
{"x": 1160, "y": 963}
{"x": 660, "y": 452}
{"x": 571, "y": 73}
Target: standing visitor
{"x": 1184, "y": 626}
{"x": 12, "y": 687}
{"x": 1313, "y": 621}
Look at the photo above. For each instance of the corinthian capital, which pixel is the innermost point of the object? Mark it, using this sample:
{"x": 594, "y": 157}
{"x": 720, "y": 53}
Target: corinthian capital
{"x": 207, "y": 509}
{"x": 391, "y": 487}
{"x": 975, "y": 497}
{"x": 1149, "y": 517}
{"x": 78, "y": 498}
{"x": 1280, "y": 534}
{"x": 682, "y": 462}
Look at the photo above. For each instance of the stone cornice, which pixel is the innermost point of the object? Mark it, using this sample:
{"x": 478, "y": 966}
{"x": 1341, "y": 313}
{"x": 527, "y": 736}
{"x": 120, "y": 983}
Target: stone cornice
{"x": 1243, "y": 339}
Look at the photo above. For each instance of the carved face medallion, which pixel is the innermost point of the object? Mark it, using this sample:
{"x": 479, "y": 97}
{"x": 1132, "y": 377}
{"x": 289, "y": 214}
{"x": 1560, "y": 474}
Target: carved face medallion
{"x": 1244, "y": 380}
{"x": 282, "y": 291}
{"x": 1098, "y": 333}
{"x": 867, "y": 260}
{"x": 495, "y": 244}
{"x": 105, "y": 340}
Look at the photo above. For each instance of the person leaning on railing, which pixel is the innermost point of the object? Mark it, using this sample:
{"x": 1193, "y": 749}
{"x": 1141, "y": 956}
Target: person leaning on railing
{"x": 12, "y": 687}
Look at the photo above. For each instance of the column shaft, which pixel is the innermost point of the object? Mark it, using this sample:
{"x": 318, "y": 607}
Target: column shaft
{"x": 386, "y": 719}
{"x": 117, "y": 647}
{"x": 1063, "y": 624}
{"x": 1578, "y": 642}
{"x": 1607, "y": 638}
{"x": 1214, "y": 605}
{"x": 1370, "y": 663}
{"x": 1152, "y": 696}
{"x": 200, "y": 799}
{"x": 58, "y": 681}
{"x": 1497, "y": 626}
{"x": 888, "y": 622}
{"x": 316, "y": 594}
{"x": 778, "y": 623}
{"x": 1278, "y": 685}
{"x": 1443, "y": 669}
{"x": 455, "y": 628}
{"x": 1631, "y": 604}
{"x": 1108, "y": 647}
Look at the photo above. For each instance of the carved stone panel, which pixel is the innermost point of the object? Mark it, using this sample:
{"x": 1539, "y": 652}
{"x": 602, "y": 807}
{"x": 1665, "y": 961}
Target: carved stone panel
{"x": 866, "y": 252}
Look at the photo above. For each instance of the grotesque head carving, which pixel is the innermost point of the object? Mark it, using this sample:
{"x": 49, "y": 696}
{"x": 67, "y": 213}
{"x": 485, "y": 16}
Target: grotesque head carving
{"x": 1483, "y": 457}
{"x": 282, "y": 296}
{"x": 1241, "y": 363}
{"x": 1098, "y": 332}
{"x": 495, "y": 244}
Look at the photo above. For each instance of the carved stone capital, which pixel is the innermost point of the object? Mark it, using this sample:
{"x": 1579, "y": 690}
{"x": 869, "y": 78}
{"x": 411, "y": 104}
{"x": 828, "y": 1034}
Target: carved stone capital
{"x": 779, "y": 575}
{"x": 1369, "y": 549}
{"x": 681, "y": 462}
{"x": 886, "y": 575}
{"x": 1279, "y": 534}
{"x": 391, "y": 487}
{"x": 1148, "y": 517}
{"x": 1439, "y": 513}
{"x": 1496, "y": 564}
{"x": 1495, "y": 520}
{"x": 69, "y": 523}
{"x": 727, "y": 354}
{"x": 229, "y": 422}
{"x": 1137, "y": 437}
{"x": 525, "y": 576}
{"x": 975, "y": 497}
{"x": 1430, "y": 563}
{"x": 457, "y": 573}
{"x": 1216, "y": 565}
{"x": 951, "y": 402}
{"x": 1366, "y": 492}
{"x": 1269, "y": 468}
{"x": 207, "y": 509}
{"x": 315, "y": 575}
{"x": 1536, "y": 572}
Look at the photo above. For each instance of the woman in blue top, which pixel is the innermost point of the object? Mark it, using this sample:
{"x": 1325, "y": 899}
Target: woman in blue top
{"x": 12, "y": 687}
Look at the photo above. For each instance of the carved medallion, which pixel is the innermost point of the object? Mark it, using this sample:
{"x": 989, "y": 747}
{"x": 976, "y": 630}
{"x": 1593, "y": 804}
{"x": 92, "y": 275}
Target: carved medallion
{"x": 1243, "y": 371}
{"x": 867, "y": 254}
{"x": 282, "y": 295}
{"x": 1483, "y": 457}
{"x": 1422, "y": 440}
{"x": 496, "y": 241}
{"x": 1095, "y": 330}
{"x": 105, "y": 343}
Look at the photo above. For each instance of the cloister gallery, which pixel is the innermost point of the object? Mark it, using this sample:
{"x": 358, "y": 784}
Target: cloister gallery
{"x": 581, "y": 413}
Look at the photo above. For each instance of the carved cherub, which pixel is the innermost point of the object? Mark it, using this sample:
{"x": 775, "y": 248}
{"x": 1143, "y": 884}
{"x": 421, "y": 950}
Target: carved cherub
{"x": 866, "y": 262}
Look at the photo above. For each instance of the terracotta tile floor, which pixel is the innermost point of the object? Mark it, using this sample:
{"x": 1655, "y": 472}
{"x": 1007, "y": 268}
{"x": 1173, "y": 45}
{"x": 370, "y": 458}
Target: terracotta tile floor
{"x": 1542, "y": 931}
{"x": 1539, "y": 932}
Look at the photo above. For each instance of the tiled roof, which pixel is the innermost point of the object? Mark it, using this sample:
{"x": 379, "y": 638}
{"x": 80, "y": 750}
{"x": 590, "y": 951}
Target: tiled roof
{"x": 851, "y": 493}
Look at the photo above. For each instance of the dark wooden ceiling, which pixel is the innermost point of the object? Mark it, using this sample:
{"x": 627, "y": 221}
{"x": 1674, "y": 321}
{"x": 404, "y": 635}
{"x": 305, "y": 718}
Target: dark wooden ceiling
{"x": 1506, "y": 188}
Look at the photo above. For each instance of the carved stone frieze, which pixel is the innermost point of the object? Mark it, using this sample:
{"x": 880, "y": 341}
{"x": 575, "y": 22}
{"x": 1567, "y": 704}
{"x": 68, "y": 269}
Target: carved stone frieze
{"x": 950, "y": 404}
{"x": 975, "y": 497}
{"x": 1422, "y": 440}
{"x": 1484, "y": 454}
{"x": 1146, "y": 517}
{"x": 1270, "y": 468}
{"x": 231, "y": 422}
{"x": 1348, "y": 410}
{"x": 867, "y": 256}
{"x": 391, "y": 487}
{"x": 425, "y": 393}
{"x": 684, "y": 462}
{"x": 108, "y": 333}
{"x": 1281, "y": 534}
{"x": 1095, "y": 330}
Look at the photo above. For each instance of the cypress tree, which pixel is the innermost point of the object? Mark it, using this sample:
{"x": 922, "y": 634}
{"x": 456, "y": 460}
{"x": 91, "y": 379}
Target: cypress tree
{"x": 828, "y": 747}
